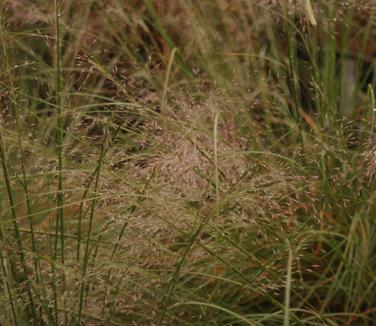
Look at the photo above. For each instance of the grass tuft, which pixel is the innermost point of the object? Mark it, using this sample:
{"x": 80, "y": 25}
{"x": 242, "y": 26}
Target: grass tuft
{"x": 187, "y": 163}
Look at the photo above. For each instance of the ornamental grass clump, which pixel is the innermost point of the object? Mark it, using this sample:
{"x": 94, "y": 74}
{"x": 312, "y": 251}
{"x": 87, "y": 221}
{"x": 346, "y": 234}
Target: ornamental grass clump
{"x": 186, "y": 163}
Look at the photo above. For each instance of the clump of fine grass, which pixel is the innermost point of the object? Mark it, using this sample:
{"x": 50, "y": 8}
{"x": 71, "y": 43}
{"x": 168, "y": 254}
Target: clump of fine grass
{"x": 187, "y": 163}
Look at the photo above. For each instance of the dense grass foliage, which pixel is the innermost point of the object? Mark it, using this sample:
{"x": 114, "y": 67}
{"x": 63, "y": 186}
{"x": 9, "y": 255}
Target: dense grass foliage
{"x": 187, "y": 162}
